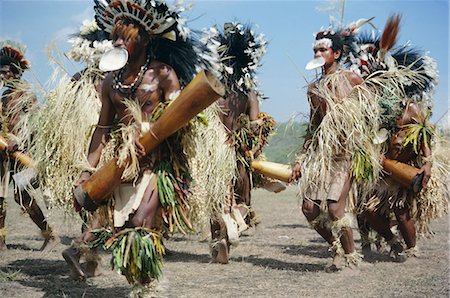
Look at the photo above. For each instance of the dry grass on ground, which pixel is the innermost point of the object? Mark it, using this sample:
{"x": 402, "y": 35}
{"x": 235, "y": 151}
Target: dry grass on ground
{"x": 283, "y": 257}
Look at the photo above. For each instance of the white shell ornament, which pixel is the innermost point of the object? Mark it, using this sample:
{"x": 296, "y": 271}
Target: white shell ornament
{"x": 315, "y": 63}
{"x": 381, "y": 136}
{"x": 113, "y": 59}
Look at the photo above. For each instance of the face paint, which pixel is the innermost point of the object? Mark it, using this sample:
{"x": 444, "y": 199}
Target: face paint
{"x": 130, "y": 48}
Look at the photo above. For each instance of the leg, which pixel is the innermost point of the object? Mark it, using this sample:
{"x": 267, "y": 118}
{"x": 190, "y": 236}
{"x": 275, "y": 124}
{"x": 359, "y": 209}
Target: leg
{"x": 90, "y": 254}
{"x": 32, "y": 208}
{"x": 147, "y": 210}
{"x": 2, "y": 224}
{"x": 311, "y": 210}
{"x": 146, "y": 216}
{"x": 79, "y": 247}
{"x": 242, "y": 191}
{"x": 336, "y": 210}
{"x": 406, "y": 226}
{"x": 364, "y": 231}
{"x": 381, "y": 224}
{"x": 72, "y": 257}
{"x": 344, "y": 245}
{"x": 342, "y": 221}
{"x": 219, "y": 246}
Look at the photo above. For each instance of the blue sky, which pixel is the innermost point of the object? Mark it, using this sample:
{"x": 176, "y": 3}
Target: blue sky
{"x": 288, "y": 25}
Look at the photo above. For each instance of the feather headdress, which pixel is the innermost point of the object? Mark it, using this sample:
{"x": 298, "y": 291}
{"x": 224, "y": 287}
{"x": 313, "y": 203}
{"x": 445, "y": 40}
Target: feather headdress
{"x": 390, "y": 33}
{"x": 90, "y": 43}
{"x": 154, "y": 16}
{"x": 373, "y": 52}
{"x": 171, "y": 43}
{"x": 12, "y": 53}
{"x": 240, "y": 51}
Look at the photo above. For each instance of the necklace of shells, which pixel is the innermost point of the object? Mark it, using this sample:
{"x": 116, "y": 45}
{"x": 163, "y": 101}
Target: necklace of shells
{"x": 131, "y": 88}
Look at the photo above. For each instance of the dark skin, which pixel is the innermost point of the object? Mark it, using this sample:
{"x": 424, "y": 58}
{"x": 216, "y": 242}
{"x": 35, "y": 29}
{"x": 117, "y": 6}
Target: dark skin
{"x": 396, "y": 151}
{"x": 234, "y": 105}
{"x": 158, "y": 83}
{"x": 29, "y": 205}
{"x": 318, "y": 110}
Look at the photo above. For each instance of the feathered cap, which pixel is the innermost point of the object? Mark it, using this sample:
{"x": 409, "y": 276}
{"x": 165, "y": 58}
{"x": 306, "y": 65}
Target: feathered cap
{"x": 240, "y": 51}
{"x": 154, "y": 16}
{"x": 374, "y": 52}
{"x": 12, "y": 53}
{"x": 340, "y": 37}
{"x": 172, "y": 42}
{"x": 90, "y": 43}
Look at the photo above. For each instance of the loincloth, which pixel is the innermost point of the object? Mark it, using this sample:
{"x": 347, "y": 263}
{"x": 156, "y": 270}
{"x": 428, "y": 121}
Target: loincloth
{"x": 128, "y": 197}
{"x": 330, "y": 188}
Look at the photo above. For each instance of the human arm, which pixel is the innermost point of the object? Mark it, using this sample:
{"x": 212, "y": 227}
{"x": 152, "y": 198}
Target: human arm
{"x": 425, "y": 150}
{"x": 101, "y": 132}
{"x": 417, "y": 131}
{"x": 314, "y": 122}
{"x": 354, "y": 79}
{"x": 314, "y": 118}
{"x": 426, "y": 167}
{"x": 296, "y": 172}
{"x": 255, "y": 122}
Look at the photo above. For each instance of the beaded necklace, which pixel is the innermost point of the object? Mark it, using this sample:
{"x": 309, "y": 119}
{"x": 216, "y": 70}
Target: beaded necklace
{"x": 129, "y": 89}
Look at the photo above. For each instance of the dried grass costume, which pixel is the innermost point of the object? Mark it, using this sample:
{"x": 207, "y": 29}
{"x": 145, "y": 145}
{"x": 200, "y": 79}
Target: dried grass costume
{"x": 241, "y": 51}
{"x": 397, "y": 76}
{"x": 167, "y": 170}
{"x": 21, "y": 113}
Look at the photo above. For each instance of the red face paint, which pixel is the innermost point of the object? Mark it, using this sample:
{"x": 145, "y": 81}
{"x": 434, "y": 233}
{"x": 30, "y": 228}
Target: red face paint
{"x": 130, "y": 48}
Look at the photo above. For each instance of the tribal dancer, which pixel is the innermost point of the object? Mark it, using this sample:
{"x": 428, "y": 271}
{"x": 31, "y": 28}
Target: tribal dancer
{"x": 324, "y": 167}
{"x": 409, "y": 78}
{"x": 240, "y": 52}
{"x": 18, "y": 103}
{"x": 161, "y": 59}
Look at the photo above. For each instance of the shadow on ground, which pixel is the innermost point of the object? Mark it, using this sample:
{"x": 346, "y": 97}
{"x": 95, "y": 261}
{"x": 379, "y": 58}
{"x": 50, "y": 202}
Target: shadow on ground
{"x": 182, "y": 256}
{"x": 280, "y": 265}
{"x": 52, "y": 278}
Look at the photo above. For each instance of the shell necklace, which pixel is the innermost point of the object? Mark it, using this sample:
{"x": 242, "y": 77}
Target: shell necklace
{"x": 131, "y": 88}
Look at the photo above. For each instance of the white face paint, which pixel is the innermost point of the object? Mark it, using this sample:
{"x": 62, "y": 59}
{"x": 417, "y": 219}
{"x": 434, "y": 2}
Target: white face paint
{"x": 113, "y": 59}
{"x": 323, "y": 43}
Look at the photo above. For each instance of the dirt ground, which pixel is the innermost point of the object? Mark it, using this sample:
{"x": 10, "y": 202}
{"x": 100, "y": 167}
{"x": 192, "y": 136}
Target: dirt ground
{"x": 282, "y": 257}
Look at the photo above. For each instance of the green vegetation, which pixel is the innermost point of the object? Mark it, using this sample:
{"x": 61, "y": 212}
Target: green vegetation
{"x": 9, "y": 275}
{"x": 285, "y": 143}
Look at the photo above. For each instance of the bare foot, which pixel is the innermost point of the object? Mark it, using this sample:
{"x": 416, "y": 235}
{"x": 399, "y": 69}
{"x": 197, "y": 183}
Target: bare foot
{"x": 397, "y": 253}
{"x": 220, "y": 252}
{"x": 336, "y": 265}
{"x": 72, "y": 257}
{"x": 3, "y": 245}
{"x": 366, "y": 250}
{"x": 49, "y": 244}
{"x": 91, "y": 269}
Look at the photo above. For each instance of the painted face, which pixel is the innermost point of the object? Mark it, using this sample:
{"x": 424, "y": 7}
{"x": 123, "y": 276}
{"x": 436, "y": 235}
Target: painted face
{"x": 327, "y": 54}
{"x": 127, "y": 44}
{"x": 6, "y": 73}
